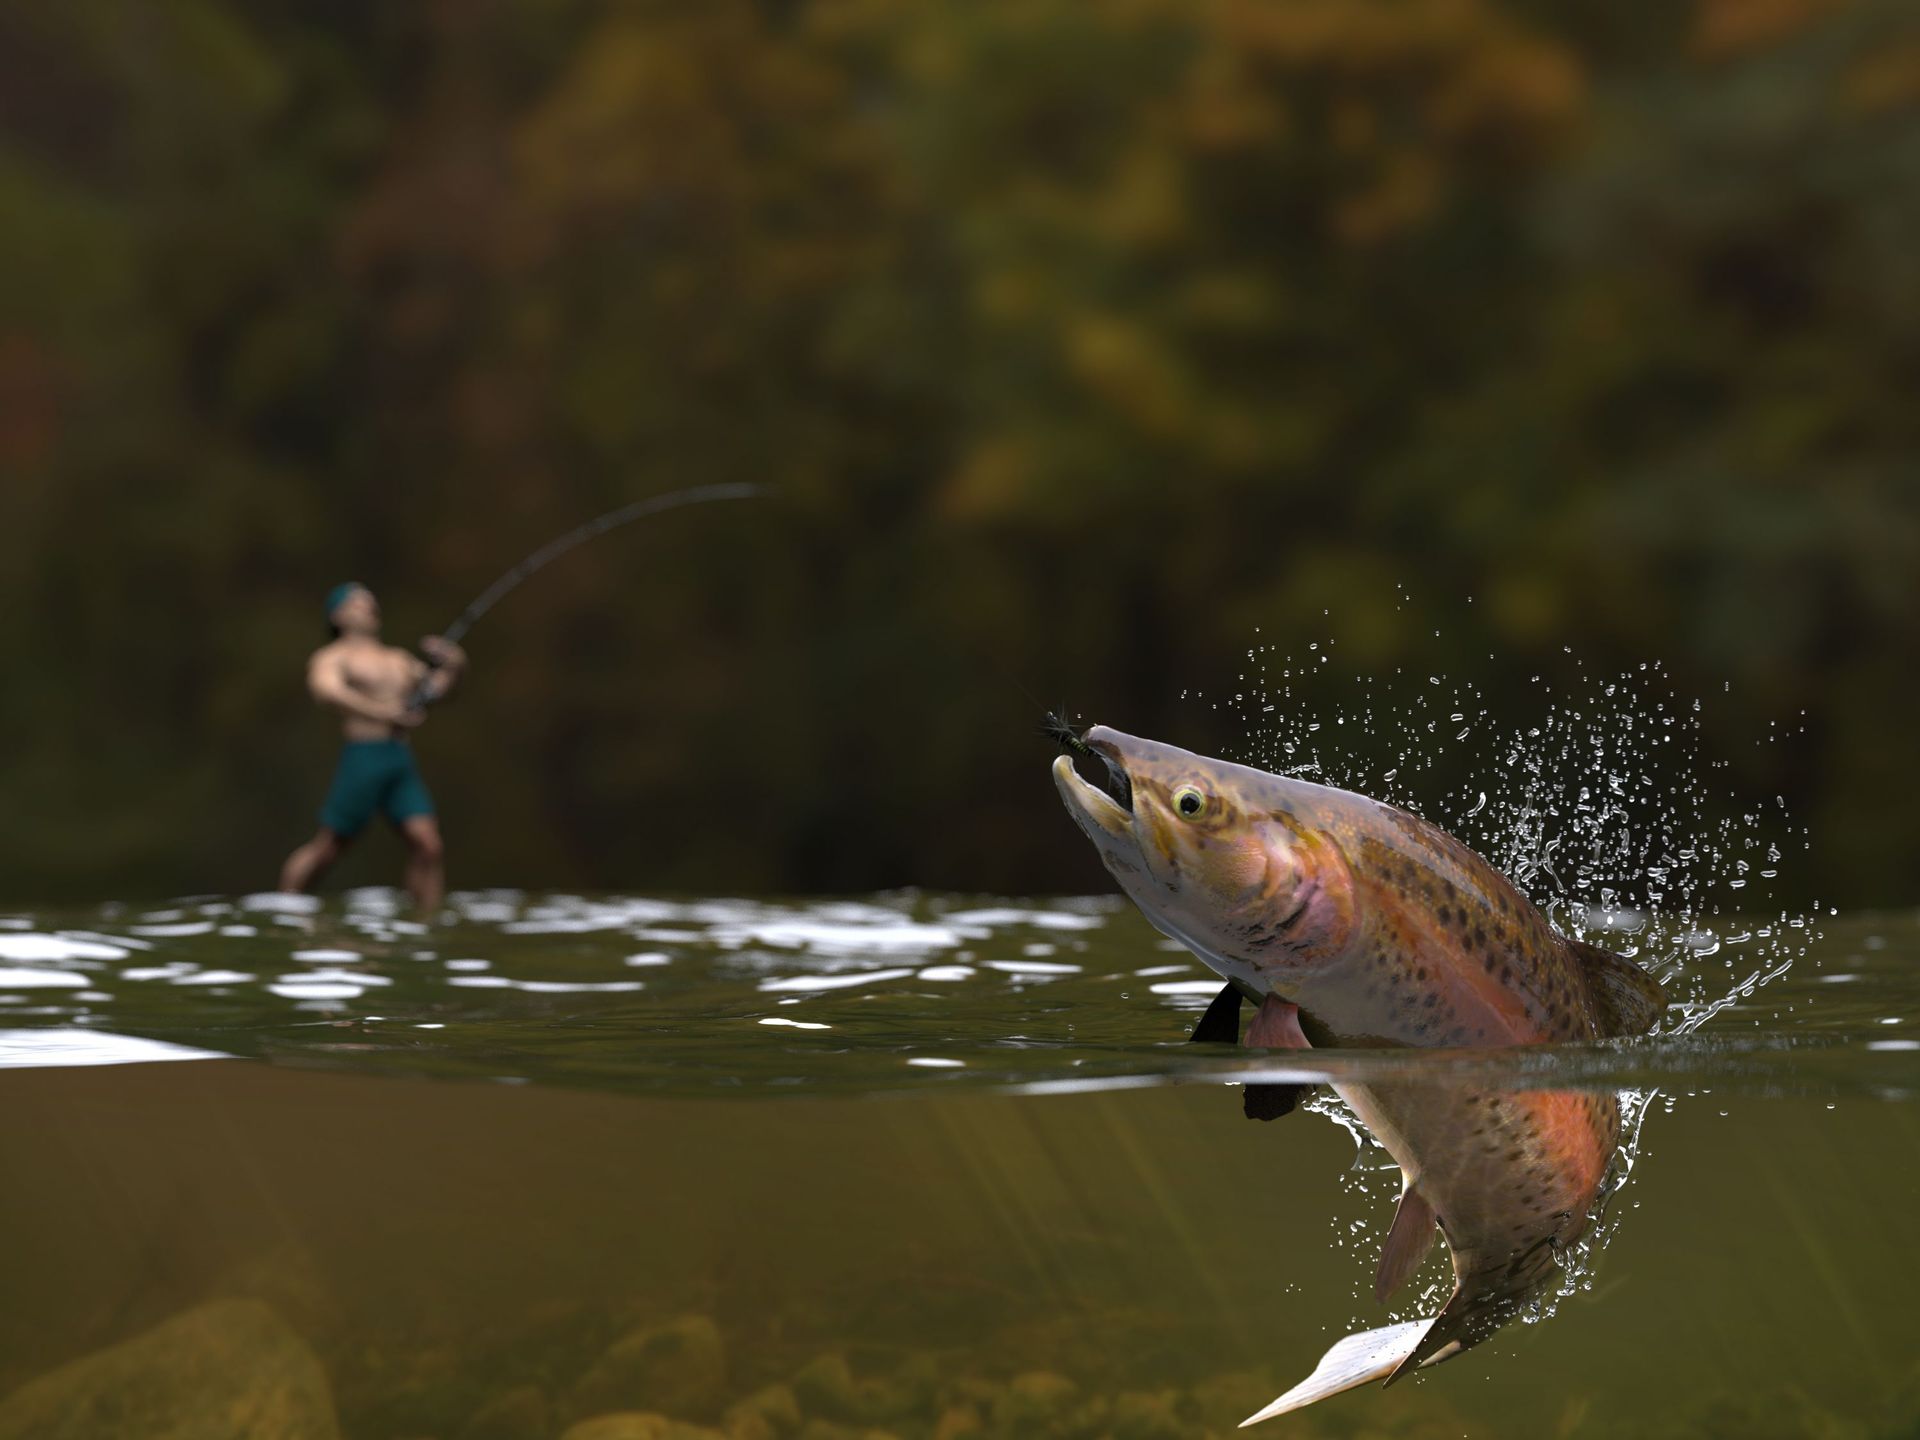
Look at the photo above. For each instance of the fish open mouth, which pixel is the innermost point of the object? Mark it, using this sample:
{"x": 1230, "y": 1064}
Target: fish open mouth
{"x": 1095, "y": 809}
{"x": 1107, "y": 806}
{"x": 1118, "y": 783}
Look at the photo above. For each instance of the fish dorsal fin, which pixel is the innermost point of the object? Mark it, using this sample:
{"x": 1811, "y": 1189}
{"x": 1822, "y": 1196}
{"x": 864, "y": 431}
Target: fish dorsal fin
{"x": 1628, "y": 1000}
{"x": 1408, "y": 1241}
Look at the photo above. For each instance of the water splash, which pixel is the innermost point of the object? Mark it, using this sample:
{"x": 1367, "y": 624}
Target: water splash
{"x": 1597, "y": 802}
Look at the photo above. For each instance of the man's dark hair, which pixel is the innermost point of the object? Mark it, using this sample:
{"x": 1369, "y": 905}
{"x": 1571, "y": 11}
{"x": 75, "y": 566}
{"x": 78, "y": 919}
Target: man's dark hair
{"x": 337, "y": 597}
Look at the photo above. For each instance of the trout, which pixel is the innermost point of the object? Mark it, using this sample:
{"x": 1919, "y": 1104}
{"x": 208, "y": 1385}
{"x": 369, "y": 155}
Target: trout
{"x": 1353, "y": 923}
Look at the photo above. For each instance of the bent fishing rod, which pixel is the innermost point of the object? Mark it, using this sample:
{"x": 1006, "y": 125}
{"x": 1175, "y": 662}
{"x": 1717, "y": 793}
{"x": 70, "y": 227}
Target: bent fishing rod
{"x": 554, "y": 549}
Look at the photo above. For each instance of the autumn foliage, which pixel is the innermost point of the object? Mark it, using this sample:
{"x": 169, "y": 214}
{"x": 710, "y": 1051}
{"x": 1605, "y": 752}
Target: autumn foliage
{"x": 1078, "y": 340}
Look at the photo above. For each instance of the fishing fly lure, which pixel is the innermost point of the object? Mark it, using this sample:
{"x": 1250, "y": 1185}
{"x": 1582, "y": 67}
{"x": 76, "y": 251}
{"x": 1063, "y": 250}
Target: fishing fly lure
{"x": 1061, "y": 730}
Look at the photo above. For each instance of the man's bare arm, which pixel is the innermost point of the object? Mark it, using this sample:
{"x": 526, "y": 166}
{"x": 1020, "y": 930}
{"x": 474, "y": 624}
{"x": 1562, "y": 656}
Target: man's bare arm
{"x": 327, "y": 682}
{"x": 449, "y": 664}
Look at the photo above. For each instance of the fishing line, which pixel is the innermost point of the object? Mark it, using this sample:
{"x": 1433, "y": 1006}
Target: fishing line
{"x": 1056, "y": 726}
{"x": 1056, "y": 722}
{"x": 554, "y": 549}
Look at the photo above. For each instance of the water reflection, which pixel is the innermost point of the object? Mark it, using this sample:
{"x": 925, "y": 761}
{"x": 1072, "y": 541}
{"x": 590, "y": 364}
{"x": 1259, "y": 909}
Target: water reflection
{"x": 1511, "y": 1178}
{"x": 658, "y": 995}
{"x": 63, "y": 1046}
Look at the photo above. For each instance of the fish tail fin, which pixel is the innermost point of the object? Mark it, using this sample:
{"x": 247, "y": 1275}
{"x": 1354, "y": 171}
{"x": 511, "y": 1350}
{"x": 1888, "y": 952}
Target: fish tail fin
{"x": 1463, "y": 1322}
{"x": 1353, "y": 1361}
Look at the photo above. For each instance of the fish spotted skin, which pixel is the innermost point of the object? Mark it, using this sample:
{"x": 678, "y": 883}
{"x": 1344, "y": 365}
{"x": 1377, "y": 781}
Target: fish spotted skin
{"x": 1386, "y": 932}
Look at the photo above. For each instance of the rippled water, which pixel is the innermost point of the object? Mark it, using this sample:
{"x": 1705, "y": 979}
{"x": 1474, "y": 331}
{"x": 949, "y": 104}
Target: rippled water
{"x": 928, "y": 1160}
{"x": 901, "y": 992}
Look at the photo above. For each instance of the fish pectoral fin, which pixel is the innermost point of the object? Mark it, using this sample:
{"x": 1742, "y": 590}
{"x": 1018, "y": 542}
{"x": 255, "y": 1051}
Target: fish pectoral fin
{"x": 1270, "y": 1102}
{"x": 1276, "y": 1026}
{"x": 1409, "y": 1240}
{"x": 1353, "y": 1361}
{"x": 1221, "y": 1024}
{"x": 1629, "y": 1000}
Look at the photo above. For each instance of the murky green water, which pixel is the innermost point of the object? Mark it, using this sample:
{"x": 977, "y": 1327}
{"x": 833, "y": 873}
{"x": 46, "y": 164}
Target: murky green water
{"x": 940, "y": 1166}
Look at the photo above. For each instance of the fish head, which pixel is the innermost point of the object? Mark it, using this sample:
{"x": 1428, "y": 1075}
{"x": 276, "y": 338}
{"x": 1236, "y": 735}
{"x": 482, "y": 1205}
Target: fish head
{"x": 1216, "y": 855}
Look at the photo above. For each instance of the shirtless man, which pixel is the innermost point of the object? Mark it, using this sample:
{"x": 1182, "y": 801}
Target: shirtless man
{"x": 372, "y": 686}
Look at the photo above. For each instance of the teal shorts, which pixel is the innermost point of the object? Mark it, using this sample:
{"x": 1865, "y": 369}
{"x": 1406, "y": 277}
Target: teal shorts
{"x": 374, "y": 775}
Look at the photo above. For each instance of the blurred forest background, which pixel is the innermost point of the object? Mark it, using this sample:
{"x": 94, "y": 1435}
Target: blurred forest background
{"x": 1095, "y": 341}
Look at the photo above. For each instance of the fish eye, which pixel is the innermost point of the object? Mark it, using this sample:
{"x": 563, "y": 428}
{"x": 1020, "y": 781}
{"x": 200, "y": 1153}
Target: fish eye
{"x": 1189, "y": 801}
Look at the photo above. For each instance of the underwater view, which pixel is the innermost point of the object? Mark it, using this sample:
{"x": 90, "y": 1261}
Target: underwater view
{"x": 909, "y": 1165}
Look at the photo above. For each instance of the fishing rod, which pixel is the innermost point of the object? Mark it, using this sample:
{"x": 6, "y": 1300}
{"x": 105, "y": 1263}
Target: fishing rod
{"x": 554, "y": 549}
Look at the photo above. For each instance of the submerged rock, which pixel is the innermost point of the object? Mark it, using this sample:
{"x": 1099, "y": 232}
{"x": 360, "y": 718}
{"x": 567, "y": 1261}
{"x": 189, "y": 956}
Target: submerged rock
{"x": 958, "y": 1422}
{"x": 764, "y": 1415}
{"x": 1223, "y": 1401}
{"x": 828, "y": 1430}
{"x": 1148, "y": 1415}
{"x": 827, "y": 1388}
{"x": 1784, "y": 1414}
{"x": 226, "y": 1370}
{"x": 1090, "y": 1417}
{"x": 1036, "y": 1403}
{"x": 292, "y": 1281}
{"x": 517, "y": 1414}
{"x": 825, "y": 1385}
{"x": 679, "y": 1368}
{"x": 636, "y": 1425}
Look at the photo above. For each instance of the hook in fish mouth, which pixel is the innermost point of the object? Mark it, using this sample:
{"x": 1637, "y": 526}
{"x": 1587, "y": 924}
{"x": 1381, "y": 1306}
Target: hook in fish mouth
{"x": 1117, "y": 783}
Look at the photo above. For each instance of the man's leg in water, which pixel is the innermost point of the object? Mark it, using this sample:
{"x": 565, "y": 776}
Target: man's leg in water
{"x": 426, "y": 861}
{"x": 350, "y": 801}
{"x": 310, "y": 861}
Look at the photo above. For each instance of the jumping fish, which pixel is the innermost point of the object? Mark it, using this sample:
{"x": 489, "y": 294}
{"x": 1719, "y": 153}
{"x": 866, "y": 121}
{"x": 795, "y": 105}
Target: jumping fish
{"x": 1354, "y": 923}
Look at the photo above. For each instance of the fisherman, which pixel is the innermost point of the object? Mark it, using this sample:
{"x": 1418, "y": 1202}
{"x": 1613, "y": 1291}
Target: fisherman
{"x": 378, "y": 690}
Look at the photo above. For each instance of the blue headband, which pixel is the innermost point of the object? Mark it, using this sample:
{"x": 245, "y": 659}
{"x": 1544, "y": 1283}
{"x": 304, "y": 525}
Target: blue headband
{"x": 337, "y": 596}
